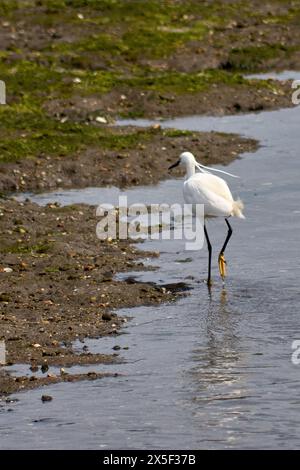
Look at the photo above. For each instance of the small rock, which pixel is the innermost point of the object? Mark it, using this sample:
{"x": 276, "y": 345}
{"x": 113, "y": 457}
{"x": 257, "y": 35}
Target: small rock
{"x": 4, "y": 297}
{"x": 92, "y": 375}
{"x": 106, "y": 316}
{"x": 107, "y": 276}
{"x": 116, "y": 347}
{"x": 45, "y": 398}
{"x": 101, "y": 119}
{"x": 44, "y": 368}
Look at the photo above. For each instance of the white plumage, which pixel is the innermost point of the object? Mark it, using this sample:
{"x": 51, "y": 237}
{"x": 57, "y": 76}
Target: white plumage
{"x": 213, "y": 193}
{"x": 209, "y": 190}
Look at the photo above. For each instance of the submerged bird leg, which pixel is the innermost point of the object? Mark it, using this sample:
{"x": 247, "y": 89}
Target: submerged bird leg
{"x": 209, "y": 256}
{"x": 221, "y": 259}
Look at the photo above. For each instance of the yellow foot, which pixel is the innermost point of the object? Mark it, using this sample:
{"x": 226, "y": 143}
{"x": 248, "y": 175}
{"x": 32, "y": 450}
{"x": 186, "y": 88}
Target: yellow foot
{"x": 222, "y": 266}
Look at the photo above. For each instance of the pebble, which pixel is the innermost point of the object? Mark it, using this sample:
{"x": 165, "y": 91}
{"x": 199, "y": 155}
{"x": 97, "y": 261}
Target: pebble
{"x": 101, "y": 119}
{"x": 45, "y": 398}
{"x": 107, "y": 276}
{"x": 44, "y": 368}
{"x": 92, "y": 375}
{"x": 7, "y": 270}
{"x": 106, "y": 316}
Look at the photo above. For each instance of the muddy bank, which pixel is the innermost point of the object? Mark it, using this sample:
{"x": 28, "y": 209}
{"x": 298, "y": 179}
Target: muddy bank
{"x": 127, "y": 157}
{"x": 10, "y": 384}
{"x": 57, "y": 286}
{"x": 70, "y": 68}
{"x": 218, "y": 99}
{"x": 57, "y": 278}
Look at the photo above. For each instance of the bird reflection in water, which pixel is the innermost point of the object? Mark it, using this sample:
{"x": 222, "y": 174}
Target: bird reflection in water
{"x": 216, "y": 388}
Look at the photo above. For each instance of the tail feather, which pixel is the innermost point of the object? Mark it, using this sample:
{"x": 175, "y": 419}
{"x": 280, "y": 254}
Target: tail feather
{"x": 238, "y": 207}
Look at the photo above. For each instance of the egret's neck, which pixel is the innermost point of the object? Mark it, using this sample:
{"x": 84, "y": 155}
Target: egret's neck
{"x": 190, "y": 169}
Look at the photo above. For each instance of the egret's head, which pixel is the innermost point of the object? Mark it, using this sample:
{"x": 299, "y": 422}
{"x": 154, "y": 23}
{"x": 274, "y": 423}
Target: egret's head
{"x": 188, "y": 160}
{"x": 185, "y": 159}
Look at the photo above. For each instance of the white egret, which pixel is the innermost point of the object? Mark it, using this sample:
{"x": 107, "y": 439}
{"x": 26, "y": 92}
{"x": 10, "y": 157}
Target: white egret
{"x": 214, "y": 193}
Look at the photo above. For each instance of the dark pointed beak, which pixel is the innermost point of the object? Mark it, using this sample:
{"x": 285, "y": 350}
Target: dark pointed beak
{"x": 174, "y": 165}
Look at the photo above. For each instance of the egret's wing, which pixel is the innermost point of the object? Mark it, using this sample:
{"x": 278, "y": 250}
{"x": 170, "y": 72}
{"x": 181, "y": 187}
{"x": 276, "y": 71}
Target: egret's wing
{"x": 213, "y": 183}
{"x": 210, "y": 190}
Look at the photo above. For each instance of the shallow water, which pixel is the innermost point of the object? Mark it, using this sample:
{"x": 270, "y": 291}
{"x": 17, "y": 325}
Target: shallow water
{"x": 285, "y": 75}
{"x": 207, "y": 371}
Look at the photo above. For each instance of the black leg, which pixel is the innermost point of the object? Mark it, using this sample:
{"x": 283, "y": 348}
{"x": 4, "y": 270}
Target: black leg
{"x": 209, "y": 256}
{"x": 227, "y": 238}
{"x": 222, "y": 262}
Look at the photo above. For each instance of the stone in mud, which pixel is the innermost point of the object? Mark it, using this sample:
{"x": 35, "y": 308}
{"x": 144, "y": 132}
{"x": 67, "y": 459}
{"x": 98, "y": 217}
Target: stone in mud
{"x": 4, "y": 297}
{"x": 44, "y": 368}
{"x": 106, "y": 316}
{"x": 92, "y": 375}
{"x": 107, "y": 276}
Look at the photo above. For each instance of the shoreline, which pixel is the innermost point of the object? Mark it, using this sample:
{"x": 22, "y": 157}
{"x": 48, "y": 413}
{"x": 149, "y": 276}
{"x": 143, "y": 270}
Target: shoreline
{"x": 57, "y": 283}
{"x": 134, "y": 157}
